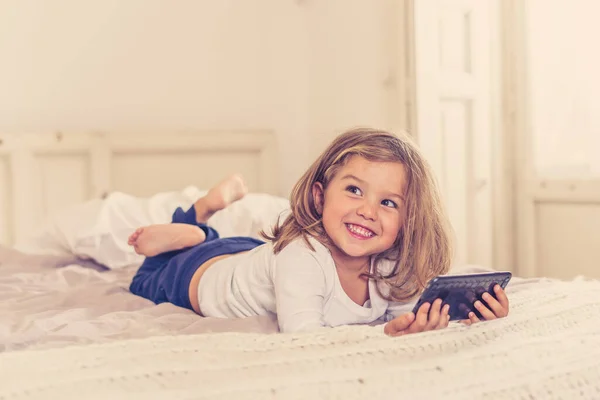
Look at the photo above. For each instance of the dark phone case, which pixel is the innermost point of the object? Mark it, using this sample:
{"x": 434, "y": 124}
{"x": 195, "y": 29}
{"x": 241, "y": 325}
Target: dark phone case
{"x": 461, "y": 291}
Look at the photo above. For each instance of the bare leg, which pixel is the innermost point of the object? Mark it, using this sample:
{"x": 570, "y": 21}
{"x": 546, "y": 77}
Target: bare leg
{"x": 156, "y": 239}
{"x": 220, "y": 196}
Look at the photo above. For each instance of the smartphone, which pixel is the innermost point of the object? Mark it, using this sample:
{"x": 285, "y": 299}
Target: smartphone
{"x": 461, "y": 291}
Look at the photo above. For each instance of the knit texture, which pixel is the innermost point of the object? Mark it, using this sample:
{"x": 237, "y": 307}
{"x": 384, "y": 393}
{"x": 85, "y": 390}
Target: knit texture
{"x": 548, "y": 347}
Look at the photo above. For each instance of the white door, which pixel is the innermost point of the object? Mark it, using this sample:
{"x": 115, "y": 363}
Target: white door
{"x": 453, "y": 120}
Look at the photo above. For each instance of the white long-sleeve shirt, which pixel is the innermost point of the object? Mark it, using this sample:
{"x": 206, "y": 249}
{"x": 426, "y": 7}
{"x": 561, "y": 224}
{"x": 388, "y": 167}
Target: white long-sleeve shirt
{"x": 299, "y": 285}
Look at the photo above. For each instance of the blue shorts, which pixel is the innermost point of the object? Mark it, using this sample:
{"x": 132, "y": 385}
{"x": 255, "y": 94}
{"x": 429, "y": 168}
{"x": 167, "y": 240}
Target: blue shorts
{"x": 166, "y": 277}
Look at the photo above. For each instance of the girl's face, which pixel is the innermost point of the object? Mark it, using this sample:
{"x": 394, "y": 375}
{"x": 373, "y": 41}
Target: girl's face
{"x": 363, "y": 208}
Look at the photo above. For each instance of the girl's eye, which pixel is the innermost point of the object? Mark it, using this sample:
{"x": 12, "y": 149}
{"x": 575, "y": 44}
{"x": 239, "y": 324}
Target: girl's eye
{"x": 389, "y": 203}
{"x": 354, "y": 190}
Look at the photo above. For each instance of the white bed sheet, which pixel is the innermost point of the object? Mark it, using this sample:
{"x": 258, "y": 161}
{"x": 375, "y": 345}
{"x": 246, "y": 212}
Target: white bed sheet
{"x": 54, "y": 301}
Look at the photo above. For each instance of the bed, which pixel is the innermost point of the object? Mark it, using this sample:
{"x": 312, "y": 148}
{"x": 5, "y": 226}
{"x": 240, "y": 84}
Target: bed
{"x": 69, "y": 328}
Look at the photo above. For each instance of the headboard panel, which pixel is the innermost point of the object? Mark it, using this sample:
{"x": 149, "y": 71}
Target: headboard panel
{"x": 42, "y": 173}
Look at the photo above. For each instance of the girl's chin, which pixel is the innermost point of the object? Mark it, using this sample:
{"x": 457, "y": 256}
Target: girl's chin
{"x": 356, "y": 252}
{"x": 360, "y": 251}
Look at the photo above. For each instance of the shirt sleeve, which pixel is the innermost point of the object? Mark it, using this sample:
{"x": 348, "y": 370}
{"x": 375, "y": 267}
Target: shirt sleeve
{"x": 396, "y": 309}
{"x": 300, "y": 288}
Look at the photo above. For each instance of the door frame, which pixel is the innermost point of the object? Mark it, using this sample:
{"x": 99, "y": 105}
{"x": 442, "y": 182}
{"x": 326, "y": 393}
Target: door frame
{"x": 517, "y": 169}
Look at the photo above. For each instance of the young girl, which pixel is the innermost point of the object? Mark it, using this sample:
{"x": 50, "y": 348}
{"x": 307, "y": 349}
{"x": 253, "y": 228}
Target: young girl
{"x": 365, "y": 234}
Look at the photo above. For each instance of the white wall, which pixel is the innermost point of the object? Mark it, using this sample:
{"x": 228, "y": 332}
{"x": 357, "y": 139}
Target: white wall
{"x": 304, "y": 69}
{"x": 350, "y": 59}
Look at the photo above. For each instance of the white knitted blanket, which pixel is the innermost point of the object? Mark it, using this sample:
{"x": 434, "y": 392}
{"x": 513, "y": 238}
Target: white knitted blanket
{"x": 548, "y": 347}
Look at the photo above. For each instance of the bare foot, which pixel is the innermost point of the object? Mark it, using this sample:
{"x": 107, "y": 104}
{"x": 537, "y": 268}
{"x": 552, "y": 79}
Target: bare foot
{"x": 156, "y": 239}
{"x": 220, "y": 196}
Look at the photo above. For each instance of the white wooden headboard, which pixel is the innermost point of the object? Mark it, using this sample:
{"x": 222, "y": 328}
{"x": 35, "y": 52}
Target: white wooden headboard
{"x": 42, "y": 173}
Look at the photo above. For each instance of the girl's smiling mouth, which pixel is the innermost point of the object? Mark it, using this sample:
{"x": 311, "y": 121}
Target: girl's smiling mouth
{"x": 359, "y": 231}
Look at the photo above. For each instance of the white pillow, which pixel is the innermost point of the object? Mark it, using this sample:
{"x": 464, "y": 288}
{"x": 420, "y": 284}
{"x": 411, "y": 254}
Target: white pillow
{"x": 99, "y": 229}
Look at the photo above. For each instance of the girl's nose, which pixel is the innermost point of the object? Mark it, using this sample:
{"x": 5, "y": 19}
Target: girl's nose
{"x": 367, "y": 211}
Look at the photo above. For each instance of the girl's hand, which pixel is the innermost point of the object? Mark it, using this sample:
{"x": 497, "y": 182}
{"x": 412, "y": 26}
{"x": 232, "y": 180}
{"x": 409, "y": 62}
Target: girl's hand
{"x": 429, "y": 317}
{"x": 493, "y": 309}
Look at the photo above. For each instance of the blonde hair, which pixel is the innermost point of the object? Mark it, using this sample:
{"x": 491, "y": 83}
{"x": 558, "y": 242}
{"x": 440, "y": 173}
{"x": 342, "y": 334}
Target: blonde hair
{"x": 423, "y": 248}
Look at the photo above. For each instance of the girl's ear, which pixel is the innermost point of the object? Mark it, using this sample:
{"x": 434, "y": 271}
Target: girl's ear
{"x": 318, "y": 193}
